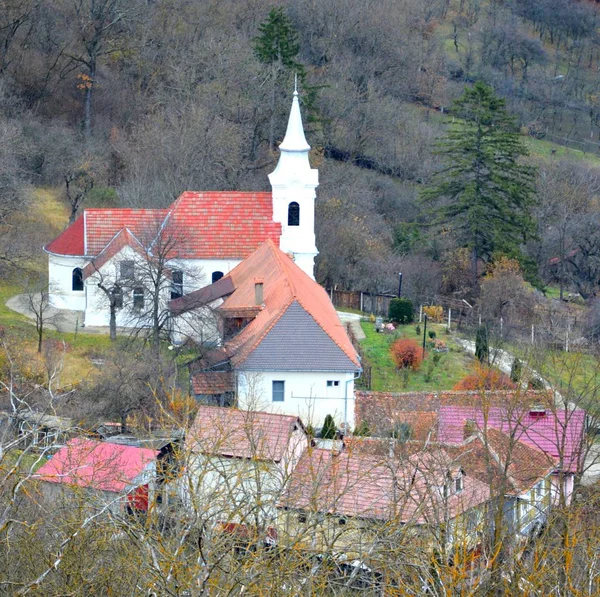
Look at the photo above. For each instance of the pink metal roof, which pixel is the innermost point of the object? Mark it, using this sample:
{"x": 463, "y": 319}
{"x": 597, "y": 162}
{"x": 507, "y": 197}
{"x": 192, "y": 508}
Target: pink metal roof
{"x": 559, "y": 433}
{"x": 99, "y": 465}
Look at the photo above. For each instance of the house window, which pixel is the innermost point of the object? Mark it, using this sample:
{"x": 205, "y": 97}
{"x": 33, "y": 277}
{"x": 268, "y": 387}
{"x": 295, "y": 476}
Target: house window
{"x": 216, "y": 276}
{"x": 117, "y": 297}
{"x": 293, "y": 214}
{"x": 301, "y": 518}
{"x": 458, "y": 484}
{"x": 77, "y": 279}
{"x": 278, "y": 391}
{"x": 342, "y": 522}
{"x": 127, "y": 270}
{"x": 333, "y": 383}
{"x": 138, "y": 298}
{"x": 176, "y": 284}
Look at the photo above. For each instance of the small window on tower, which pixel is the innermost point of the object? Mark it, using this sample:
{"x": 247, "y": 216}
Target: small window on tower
{"x": 293, "y": 214}
{"x": 176, "y": 284}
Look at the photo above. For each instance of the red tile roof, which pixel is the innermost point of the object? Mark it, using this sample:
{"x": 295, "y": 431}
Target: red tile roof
{"x": 283, "y": 283}
{"x": 98, "y": 465}
{"x": 212, "y": 382}
{"x": 70, "y": 241}
{"x": 123, "y": 238}
{"x": 358, "y": 485}
{"x": 242, "y": 434}
{"x": 209, "y": 225}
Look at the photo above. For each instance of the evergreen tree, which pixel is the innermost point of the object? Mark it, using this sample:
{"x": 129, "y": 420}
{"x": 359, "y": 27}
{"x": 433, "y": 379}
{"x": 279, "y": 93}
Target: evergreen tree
{"x": 482, "y": 346}
{"x": 277, "y": 47}
{"x": 483, "y": 193}
{"x": 329, "y": 429}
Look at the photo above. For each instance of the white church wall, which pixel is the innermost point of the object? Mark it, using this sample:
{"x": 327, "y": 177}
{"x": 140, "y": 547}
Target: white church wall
{"x": 60, "y": 282}
{"x": 306, "y": 394}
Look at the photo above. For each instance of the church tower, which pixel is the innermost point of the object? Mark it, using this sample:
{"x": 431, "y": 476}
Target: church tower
{"x": 294, "y": 182}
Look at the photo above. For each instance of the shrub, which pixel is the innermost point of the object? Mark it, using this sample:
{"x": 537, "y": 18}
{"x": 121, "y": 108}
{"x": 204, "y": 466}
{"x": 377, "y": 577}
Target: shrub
{"x": 418, "y": 330}
{"x": 516, "y": 370}
{"x": 485, "y": 379}
{"x": 434, "y": 312}
{"x": 431, "y": 334}
{"x": 536, "y": 384}
{"x": 329, "y": 430}
{"x": 362, "y": 429}
{"x": 407, "y": 354}
{"x": 401, "y": 310}
{"x": 482, "y": 347}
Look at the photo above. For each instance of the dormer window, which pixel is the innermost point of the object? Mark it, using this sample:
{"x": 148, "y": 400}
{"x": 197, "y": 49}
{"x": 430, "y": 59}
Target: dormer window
{"x": 176, "y": 284}
{"x": 293, "y": 214}
{"x": 459, "y": 483}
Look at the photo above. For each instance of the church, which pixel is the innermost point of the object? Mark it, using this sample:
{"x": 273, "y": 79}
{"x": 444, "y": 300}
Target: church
{"x": 237, "y": 271}
{"x": 209, "y": 233}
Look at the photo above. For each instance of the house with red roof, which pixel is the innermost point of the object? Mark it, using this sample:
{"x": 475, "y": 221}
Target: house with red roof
{"x": 198, "y": 239}
{"x": 237, "y": 462}
{"x": 283, "y": 343}
{"x": 353, "y": 499}
{"x": 110, "y": 476}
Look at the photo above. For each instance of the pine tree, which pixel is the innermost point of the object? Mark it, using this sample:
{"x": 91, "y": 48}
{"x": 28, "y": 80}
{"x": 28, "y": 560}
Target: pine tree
{"x": 484, "y": 193}
{"x": 482, "y": 346}
{"x": 277, "y": 47}
{"x": 329, "y": 429}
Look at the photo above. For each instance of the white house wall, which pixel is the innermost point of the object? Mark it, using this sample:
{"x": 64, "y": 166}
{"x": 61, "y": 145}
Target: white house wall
{"x": 306, "y": 395}
{"x": 60, "y": 282}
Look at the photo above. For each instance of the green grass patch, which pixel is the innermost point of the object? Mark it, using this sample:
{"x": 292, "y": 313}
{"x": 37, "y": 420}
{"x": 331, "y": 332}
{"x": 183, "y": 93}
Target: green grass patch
{"x": 29, "y": 462}
{"x": 451, "y": 367}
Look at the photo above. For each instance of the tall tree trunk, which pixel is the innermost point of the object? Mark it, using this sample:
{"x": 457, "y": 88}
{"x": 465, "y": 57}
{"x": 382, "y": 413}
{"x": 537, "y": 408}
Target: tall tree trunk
{"x": 87, "y": 118}
{"x": 113, "y": 323}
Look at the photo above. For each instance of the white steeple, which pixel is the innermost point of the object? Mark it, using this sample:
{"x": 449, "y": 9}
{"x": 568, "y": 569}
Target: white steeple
{"x": 294, "y": 182}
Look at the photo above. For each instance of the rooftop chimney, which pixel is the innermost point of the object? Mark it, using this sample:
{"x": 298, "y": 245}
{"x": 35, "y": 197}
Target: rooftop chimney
{"x": 258, "y": 293}
{"x": 469, "y": 428}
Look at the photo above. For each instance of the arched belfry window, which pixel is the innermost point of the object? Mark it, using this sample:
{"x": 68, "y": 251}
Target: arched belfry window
{"x": 216, "y": 276}
{"x": 77, "y": 279}
{"x": 293, "y": 214}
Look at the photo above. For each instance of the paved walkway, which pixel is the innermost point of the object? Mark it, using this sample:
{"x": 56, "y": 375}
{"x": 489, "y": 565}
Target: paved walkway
{"x": 354, "y": 320}
{"x": 58, "y": 319}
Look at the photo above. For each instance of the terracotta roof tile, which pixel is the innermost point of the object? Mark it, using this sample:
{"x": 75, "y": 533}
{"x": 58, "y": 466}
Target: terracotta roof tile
{"x": 211, "y": 225}
{"x": 357, "y": 485}
{"x": 212, "y": 382}
{"x": 242, "y": 434}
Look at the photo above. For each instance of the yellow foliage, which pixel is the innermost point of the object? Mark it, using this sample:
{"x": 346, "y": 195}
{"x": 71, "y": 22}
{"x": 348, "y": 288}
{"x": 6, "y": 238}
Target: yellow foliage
{"x": 434, "y": 312}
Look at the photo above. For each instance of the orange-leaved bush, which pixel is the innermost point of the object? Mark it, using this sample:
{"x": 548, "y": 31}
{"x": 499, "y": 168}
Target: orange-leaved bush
{"x": 407, "y": 354}
{"x": 485, "y": 378}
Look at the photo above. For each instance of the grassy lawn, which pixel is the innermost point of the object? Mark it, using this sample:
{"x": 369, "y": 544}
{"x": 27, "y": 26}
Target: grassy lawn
{"x": 443, "y": 375}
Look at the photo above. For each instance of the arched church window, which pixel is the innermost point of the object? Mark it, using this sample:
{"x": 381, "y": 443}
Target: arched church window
{"x": 293, "y": 214}
{"x": 216, "y": 276}
{"x": 77, "y": 279}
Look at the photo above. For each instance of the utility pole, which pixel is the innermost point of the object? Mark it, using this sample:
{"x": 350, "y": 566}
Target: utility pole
{"x": 424, "y": 333}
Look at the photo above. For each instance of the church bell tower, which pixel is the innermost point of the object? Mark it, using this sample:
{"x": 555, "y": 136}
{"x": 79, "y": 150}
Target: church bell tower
{"x": 294, "y": 182}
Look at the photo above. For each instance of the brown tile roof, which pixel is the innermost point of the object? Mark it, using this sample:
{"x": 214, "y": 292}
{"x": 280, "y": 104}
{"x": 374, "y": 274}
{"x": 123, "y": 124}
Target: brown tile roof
{"x": 287, "y": 290}
{"x": 242, "y": 434}
{"x": 486, "y": 458}
{"x": 358, "y": 485}
{"x": 382, "y": 410}
{"x": 213, "y": 382}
